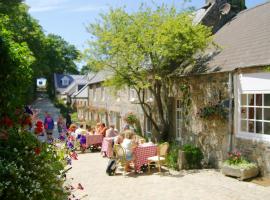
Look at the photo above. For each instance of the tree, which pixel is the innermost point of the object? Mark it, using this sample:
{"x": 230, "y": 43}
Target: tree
{"x": 15, "y": 76}
{"x": 85, "y": 69}
{"x": 52, "y": 53}
{"x": 144, "y": 49}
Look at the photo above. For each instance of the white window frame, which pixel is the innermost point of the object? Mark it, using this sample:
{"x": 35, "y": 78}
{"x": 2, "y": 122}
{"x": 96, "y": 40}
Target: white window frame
{"x": 237, "y": 114}
{"x": 178, "y": 121}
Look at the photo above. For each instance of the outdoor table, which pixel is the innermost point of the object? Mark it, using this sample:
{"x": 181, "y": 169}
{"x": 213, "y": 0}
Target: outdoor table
{"x": 142, "y": 152}
{"x": 93, "y": 140}
{"x": 107, "y": 146}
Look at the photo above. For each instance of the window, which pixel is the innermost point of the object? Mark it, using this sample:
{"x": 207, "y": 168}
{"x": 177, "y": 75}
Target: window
{"x": 148, "y": 125}
{"x": 65, "y": 81}
{"x": 148, "y": 96}
{"x": 94, "y": 94}
{"x": 179, "y": 119}
{"x": 255, "y": 113}
{"x": 132, "y": 94}
{"x": 102, "y": 94}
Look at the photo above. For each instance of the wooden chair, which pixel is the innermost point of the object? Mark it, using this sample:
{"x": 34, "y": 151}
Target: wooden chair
{"x": 160, "y": 157}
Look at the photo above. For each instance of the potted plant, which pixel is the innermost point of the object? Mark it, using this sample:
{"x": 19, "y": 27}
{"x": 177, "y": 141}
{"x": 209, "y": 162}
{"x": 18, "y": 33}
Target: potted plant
{"x": 239, "y": 167}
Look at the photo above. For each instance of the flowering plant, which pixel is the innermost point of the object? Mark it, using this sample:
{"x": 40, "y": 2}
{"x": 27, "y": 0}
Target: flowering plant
{"x": 234, "y": 158}
{"x": 30, "y": 169}
{"x": 130, "y": 118}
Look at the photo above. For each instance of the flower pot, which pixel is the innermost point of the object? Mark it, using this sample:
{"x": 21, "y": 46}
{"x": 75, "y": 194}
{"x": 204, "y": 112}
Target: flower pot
{"x": 240, "y": 173}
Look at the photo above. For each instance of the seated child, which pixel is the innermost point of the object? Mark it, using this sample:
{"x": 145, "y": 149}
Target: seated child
{"x": 83, "y": 140}
{"x": 129, "y": 145}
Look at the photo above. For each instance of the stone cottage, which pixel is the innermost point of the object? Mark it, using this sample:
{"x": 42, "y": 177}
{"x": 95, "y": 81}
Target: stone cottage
{"x": 96, "y": 102}
{"x": 226, "y": 106}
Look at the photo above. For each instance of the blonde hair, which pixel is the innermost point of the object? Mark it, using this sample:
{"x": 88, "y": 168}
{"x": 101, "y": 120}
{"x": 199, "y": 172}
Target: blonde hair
{"x": 128, "y": 134}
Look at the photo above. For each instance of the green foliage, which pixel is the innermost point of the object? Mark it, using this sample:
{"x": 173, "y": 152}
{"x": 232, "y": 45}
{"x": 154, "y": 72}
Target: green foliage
{"x": 144, "y": 49}
{"x": 172, "y": 157}
{"x": 193, "y": 156}
{"x": 27, "y": 53}
{"x": 15, "y": 61}
{"x": 235, "y": 158}
{"x": 130, "y": 118}
{"x": 74, "y": 117}
{"x": 29, "y": 169}
{"x": 211, "y": 111}
{"x": 237, "y": 161}
{"x": 64, "y": 108}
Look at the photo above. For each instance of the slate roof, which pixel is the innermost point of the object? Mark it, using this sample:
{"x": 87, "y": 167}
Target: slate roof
{"x": 244, "y": 41}
{"x": 73, "y": 79}
{"x": 92, "y": 79}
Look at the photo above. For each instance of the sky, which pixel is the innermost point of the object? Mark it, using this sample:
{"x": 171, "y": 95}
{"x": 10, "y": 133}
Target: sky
{"x": 68, "y": 18}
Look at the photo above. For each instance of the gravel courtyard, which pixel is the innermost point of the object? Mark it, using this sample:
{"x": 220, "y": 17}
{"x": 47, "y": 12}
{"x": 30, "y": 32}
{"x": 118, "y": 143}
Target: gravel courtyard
{"x": 89, "y": 170}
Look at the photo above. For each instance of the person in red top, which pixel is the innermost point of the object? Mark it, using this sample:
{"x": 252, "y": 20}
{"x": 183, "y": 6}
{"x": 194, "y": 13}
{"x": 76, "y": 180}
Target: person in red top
{"x": 102, "y": 130}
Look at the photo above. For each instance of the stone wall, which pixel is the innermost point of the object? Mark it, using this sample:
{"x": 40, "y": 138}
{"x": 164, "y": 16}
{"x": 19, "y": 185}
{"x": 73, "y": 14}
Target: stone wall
{"x": 255, "y": 151}
{"x": 211, "y": 135}
{"x": 112, "y": 104}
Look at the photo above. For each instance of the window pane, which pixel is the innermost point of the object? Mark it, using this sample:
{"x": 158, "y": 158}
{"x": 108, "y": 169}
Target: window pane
{"x": 258, "y": 99}
{"x": 243, "y": 99}
{"x": 251, "y": 99}
{"x": 244, "y": 125}
{"x": 177, "y": 115}
{"x": 243, "y": 113}
{"x": 258, "y": 127}
{"x": 266, "y": 99}
{"x": 178, "y": 104}
{"x": 251, "y": 113}
{"x": 251, "y": 126}
{"x": 267, "y": 128}
{"x": 258, "y": 113}
{"x": 266, "y": 113}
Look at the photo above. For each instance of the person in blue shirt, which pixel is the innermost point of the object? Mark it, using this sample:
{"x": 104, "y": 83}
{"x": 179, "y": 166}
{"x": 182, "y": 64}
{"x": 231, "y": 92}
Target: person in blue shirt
{"x": 49, "y": 126}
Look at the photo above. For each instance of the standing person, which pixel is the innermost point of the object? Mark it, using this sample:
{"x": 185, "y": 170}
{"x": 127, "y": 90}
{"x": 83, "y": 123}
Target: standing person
{"x": 68, "y": 120}
{"x": 49, "y": 126}
{"x": 102, "y": 129}
{"x": 111, "y": 131}
{"x": 60, "y": 124}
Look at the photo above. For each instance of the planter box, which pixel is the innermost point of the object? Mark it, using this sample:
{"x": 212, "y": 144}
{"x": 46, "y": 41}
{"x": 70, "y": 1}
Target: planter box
{"x": 240, "y": 173}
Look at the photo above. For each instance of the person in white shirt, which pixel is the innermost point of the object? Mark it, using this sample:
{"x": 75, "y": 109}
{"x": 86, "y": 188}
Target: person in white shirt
{"x": 110, "y": 132}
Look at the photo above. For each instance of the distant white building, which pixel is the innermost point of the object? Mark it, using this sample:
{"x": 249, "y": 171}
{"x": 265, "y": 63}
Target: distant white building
{"x": 41, "y": 83}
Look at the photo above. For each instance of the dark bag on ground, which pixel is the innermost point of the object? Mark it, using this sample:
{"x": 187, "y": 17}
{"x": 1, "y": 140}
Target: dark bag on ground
{"x": 111, "y": 167}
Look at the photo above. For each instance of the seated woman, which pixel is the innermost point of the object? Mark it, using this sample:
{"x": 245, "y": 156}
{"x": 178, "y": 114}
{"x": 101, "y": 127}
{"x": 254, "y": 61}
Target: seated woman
{"x": 129, "y": 145}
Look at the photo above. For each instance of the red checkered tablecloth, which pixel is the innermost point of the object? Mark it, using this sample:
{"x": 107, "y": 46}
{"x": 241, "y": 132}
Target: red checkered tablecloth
{"x": 107, "y": 146}
{"x": 142, "y": 153}
{"x": 93, "y": 139}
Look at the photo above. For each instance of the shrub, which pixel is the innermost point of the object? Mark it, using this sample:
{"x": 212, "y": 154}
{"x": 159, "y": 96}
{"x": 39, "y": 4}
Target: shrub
{"x": 193, "y": 156}
{"x": 172, "y": 157}
{"x": 29, "y": 169}
{"x": 64, "y": 109}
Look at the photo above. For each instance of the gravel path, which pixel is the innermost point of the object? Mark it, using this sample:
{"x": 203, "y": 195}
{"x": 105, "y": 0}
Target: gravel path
{"x": 89, "y": 170}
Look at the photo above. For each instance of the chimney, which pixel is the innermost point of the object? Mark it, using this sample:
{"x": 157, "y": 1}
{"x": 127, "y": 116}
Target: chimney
{"x": 214, "y": 16}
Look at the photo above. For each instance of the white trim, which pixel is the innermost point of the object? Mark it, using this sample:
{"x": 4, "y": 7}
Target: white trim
{"x": 253, "y": 136}
{"x": 178, "y": 122}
